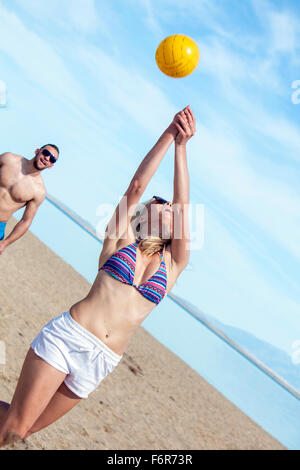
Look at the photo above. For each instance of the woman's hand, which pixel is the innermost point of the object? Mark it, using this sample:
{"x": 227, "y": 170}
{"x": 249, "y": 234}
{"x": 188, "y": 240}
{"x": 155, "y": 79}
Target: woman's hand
{"x": 185, "y": 123}
{"x": 172, "y": 127}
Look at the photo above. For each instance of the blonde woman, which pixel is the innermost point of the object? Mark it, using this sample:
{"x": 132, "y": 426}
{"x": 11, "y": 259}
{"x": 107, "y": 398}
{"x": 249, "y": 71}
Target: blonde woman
{"x": 141, "y": 259}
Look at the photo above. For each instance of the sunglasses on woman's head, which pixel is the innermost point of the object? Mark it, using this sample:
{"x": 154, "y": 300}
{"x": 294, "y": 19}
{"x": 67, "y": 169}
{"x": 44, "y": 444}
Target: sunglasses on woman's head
{"x": 46, "y": 153}
{"x": 160, "y": 200}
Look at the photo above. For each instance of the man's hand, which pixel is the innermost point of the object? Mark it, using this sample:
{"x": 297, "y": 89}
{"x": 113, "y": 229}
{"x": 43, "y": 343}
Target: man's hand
{"x": 3, "y": 245}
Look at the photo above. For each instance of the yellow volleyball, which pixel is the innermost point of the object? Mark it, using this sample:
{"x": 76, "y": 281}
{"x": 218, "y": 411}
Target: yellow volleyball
{"x": 177, "y": 56}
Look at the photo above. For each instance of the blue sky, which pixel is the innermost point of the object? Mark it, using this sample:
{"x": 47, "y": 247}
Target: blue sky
{"x": 82, "y": 74}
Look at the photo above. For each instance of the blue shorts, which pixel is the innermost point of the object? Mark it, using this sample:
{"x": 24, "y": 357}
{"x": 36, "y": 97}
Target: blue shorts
{"x": 2, "y": 230}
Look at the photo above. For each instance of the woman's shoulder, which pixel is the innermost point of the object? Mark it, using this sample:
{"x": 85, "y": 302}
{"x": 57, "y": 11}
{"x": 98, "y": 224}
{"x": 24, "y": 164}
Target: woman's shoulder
{"x": 110, "y": 247}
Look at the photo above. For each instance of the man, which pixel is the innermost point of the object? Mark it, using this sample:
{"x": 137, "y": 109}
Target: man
{"x": 21, "y": 184}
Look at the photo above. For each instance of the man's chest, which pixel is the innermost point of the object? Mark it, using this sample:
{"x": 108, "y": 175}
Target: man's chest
{"x": 18, "y": 186}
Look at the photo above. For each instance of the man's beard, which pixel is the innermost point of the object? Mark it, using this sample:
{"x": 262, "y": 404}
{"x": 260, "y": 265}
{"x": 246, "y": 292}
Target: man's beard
{"x": 35, "y": 164}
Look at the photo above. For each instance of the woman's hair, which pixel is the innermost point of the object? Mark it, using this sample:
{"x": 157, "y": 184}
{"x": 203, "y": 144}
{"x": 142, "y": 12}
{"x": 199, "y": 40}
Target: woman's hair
{"x": 151, "y": 244}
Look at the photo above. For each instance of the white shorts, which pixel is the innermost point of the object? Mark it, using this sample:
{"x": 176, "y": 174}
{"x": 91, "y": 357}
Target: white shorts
{"x": 70, "y": 348}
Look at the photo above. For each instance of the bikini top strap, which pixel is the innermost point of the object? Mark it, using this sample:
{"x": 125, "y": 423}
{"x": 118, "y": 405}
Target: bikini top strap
{"x": 162, "y": 253}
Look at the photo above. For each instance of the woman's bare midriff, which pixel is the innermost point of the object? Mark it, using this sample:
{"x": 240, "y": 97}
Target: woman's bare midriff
{"x": 112, "y": 311}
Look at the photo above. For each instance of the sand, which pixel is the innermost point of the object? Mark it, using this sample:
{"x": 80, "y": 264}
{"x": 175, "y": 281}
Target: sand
{"x": 153, "y": 400}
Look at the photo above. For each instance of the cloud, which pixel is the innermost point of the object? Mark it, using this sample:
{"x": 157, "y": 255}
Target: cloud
{"x": 239, "y": 68}
{"x": 151, "y": 20}
{"x": 283, "y": 31}
{"x": 207, "y": 13}
{"x": 128, "y": 90}
{"x": 36, "y": 58}
{"x": 227, "y": 166}
{"x": 76, "y": 15}
{"x": 253, "y": 84}
{"x": 83, "y": 15}
{"x": 280, "y": 25}
{"x": 41, "y": 62}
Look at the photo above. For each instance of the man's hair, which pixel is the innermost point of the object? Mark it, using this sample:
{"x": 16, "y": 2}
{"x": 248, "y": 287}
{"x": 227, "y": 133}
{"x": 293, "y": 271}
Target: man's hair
{"x": 51, "y": 145}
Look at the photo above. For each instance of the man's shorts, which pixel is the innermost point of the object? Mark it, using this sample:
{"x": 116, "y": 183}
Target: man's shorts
{"x": 2, "y": 230}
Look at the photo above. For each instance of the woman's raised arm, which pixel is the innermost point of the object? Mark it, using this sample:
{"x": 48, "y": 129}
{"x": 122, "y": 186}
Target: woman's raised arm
{"x": 117, "y": 227}
{"x": 186, "y": 125}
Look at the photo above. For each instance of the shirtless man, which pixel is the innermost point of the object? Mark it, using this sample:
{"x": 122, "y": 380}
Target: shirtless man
{"x": 21, "y": 184}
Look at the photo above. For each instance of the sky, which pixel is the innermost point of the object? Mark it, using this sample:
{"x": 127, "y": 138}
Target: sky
{"x": 82, "y": 74}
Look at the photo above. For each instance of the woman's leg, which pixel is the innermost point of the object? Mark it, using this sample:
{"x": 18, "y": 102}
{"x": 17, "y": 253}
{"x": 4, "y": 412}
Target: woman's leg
{"x": 37, "y": 384}
{"x": 61, "y": 402}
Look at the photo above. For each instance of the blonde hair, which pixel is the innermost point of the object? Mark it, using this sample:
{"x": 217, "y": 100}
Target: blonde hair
{"x": 151, "y": 244}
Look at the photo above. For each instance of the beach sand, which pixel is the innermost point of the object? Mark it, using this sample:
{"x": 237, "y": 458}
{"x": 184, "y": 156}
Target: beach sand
{"x": 153, "y": 400}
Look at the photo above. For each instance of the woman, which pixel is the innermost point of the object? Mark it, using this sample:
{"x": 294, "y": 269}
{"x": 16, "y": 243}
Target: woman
{"x": 141, "y": 259}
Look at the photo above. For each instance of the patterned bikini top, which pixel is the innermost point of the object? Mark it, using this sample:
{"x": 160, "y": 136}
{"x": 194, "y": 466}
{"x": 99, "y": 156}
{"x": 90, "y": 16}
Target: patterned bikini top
{"x": 121, "y": 266}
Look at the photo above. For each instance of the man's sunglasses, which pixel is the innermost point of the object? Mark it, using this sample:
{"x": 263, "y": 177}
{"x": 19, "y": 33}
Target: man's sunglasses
{"x": 46, "y": 153}
{"x": 160, "y": 200}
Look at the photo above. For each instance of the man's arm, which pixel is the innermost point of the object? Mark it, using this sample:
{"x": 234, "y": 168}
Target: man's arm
{"x": 3, "y": 156}
{"x": 23, "y": 225}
